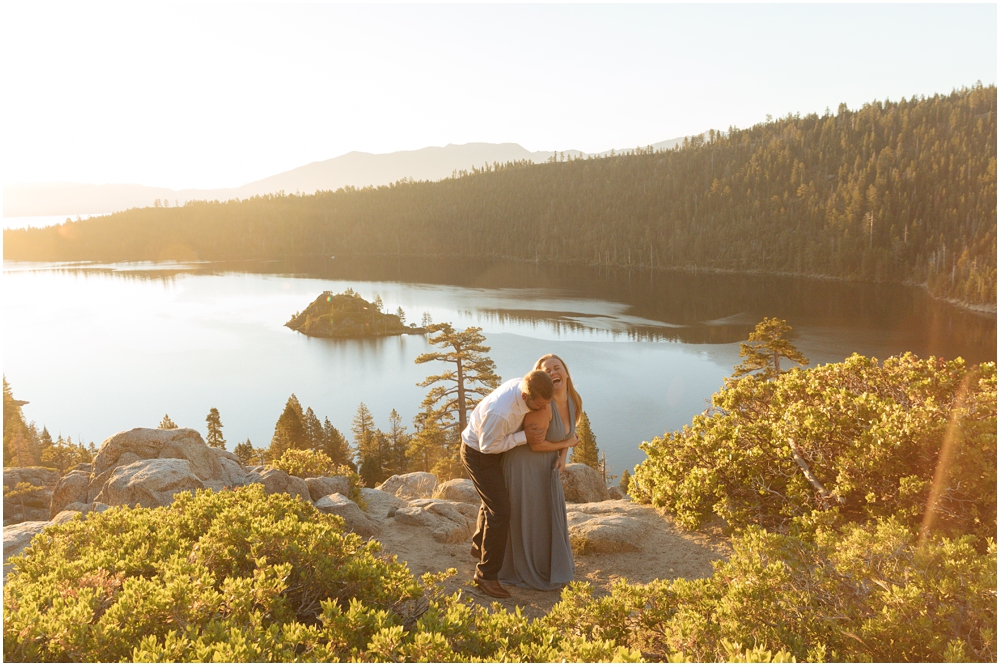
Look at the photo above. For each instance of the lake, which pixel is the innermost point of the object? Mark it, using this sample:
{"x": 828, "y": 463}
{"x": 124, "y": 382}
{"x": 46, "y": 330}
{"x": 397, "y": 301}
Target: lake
{"x": 98, "y": 348}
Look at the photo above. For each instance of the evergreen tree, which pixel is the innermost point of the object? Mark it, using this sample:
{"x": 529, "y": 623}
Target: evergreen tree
{"x": 166, "y": 423}
{"x": 245, "y": 452}
{"x": 335, "y": 445}
{"x": 214, "y": 437}
{"x": 289, "y": 432}
{"x": 399, "y": 441}
{"x": 765, "y": 349}
{"x": 586, "y": 451}
{"x": 19, "y": 449}
{"x": 456, "y": 391}
{"x": 623, "y": 483}
{"x": 313, "y": 430}
{"x": 401, "y": 315}
{"x": 367, "y": 445}
{"x": 427, "y": 445}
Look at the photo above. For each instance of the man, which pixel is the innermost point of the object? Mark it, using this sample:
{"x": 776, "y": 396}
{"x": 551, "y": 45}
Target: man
{"x": 495, "y": 426}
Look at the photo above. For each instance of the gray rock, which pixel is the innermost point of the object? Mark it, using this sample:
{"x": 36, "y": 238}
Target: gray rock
{"x": 322, "y": 486}
{"x": 149, "y": 483}
{"x": 615, "y": 526}
{"x": 582, "y": 483}
{"x": 615, "y": 493}
{"x": 32, "y": 506}
{"x": 214, "y": 468}
{"x": 83, "y": 508}
{"x": 65, "y": 516}
{"x": 355, "y": 519}
{"x": 448, "y": 521}
{"x": 379, "y": 504}
{"x": 276, "y": 481}
{"x": 17, "y": 537}
{"x": 71, "y": 489}
{"x": 415, "y": 485}
{"x": 228, "y": 472}
{"x": 458, "y": 490}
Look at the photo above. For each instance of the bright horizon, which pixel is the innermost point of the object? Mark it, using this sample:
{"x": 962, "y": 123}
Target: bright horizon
{"x": 225, "y": 94}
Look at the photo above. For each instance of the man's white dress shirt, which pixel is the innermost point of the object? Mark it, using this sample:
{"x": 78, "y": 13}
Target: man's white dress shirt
{"x": 495, "y": 423}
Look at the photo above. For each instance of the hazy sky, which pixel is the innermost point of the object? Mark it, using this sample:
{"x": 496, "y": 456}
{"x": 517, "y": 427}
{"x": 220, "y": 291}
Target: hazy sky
{"x": 220, "y": 95}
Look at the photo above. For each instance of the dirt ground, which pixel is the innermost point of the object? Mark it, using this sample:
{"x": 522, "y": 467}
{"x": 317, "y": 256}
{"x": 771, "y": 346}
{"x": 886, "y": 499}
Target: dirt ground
{"x": 667, "y": 552}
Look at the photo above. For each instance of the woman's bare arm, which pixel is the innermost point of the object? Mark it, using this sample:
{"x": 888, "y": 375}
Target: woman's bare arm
{"x": 553, "y": 446}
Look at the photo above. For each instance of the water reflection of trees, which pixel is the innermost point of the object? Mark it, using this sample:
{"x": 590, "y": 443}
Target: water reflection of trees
{"x": 563, "y": 323}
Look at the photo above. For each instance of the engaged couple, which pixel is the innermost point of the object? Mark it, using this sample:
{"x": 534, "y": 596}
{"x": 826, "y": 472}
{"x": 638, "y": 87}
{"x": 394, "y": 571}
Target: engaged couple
{"x": 514, "y": 448}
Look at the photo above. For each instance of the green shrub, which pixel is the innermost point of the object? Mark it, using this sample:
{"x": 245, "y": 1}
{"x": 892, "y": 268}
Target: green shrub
{"x": 871, "y": 435}
{"x": 231, "y": 573}
{"x": 858, "y": 593}
{"x": 305, "y": 463}
{"x": 241, "y": 576}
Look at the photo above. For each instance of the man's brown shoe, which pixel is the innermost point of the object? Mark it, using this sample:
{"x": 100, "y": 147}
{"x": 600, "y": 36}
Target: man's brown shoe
{"x": 491, "y": 588}
{"x": 476, "y": 552}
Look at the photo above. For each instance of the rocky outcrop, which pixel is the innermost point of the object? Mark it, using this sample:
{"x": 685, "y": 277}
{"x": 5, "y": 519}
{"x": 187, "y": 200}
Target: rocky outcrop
{"x": 355, "y": 519}
{"x": 327, "y": 485}
{"x": 71, "y": 489}
{"x": 615, "y": 493}
{"x": 581, "y": 483}
{"x": 458, "y": 490}
{"x": 29, "y": 504}
{"x": 615, "y": 526}
{"x": 448, "y": 521}
{"x": 148, "y": 483}
{"x": 17, "y": 537}
{"x": 415, "y": 485}
{"x": 277, "y": 481}
{"x": 379, "y": 504}
{"x": 214, "y": 468}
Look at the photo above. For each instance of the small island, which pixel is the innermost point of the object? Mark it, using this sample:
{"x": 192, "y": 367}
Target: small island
{"x": 347, "y": 315}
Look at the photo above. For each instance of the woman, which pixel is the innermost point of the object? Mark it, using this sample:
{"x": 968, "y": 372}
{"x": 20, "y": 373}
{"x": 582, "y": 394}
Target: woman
{"x": 538, "y": 550}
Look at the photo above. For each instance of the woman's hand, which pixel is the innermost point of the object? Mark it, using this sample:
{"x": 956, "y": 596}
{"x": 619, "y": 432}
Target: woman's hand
{"x": 561, "y": 460}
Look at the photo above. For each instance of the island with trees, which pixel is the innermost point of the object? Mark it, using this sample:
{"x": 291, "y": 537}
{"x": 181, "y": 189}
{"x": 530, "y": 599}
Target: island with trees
{"x": 347, "y": 315}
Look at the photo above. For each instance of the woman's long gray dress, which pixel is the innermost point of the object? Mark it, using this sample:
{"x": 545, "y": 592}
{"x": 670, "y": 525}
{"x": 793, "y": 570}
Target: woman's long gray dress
{"x": 538, "y": 551}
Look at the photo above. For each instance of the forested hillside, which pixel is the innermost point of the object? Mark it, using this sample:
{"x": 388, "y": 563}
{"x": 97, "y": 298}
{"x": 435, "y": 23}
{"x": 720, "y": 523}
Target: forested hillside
{"x": 896, "y": 191}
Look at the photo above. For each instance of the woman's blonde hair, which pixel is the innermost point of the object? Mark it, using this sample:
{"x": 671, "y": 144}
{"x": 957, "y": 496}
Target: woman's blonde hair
{"x": 570, "y": 390}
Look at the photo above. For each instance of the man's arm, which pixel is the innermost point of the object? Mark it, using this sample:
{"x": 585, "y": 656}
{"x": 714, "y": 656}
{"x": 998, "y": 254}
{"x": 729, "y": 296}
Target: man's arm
{"x": 493, "y": 437}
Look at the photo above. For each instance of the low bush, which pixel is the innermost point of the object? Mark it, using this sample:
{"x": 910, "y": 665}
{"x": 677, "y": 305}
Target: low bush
{"x": 913, "y": 439}
{"x": 305, "y": 463}
{"x": 240, "y": 576}
{"x": 857, "y": 593}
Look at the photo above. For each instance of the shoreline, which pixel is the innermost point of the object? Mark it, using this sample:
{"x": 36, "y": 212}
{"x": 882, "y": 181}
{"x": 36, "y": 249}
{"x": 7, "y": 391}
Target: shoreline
{"x": 985, "y": 310}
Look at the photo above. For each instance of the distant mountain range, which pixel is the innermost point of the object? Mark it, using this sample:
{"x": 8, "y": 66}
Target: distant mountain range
{"x": 354, "y": 169}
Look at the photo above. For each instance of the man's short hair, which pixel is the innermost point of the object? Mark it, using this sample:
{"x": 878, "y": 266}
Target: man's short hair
{"x": 538, "y": 385}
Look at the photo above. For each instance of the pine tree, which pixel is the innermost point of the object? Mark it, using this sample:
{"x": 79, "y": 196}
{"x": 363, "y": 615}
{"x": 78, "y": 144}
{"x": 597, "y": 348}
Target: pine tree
{"x": 366, "y": 443}
{"x": 399, "y": 441}
{"x": 427, "y": 445}
{"x": 166, "y": 423}
{"x": 214, "y": 437}
{"x": 586, "y": 451}
{"x": 456, "y": 392}
{"x": 401, "y": 315}
{"x": 765, "y": 349}
{"x": 245, "y": 452}
{"x": 335, "y": 445}
{"x": 623, "y": 483}
{"x": 289, "y": 433}
{"x": 313, "y": 430}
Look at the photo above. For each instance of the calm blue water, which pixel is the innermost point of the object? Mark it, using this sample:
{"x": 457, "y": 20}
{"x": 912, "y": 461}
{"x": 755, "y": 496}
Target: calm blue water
{"x": 100, "y": 349}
